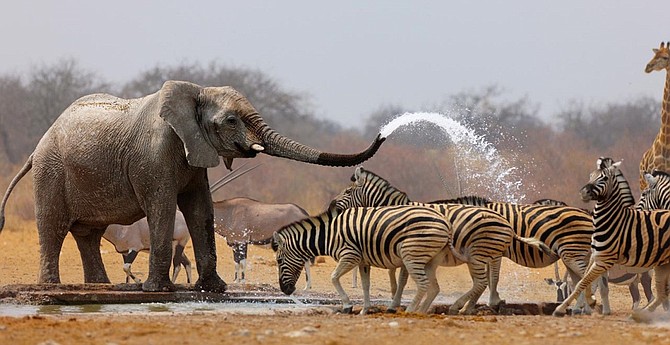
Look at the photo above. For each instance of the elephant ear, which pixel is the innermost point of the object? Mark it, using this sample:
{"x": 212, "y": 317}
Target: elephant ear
{"x": 178, "y": 104}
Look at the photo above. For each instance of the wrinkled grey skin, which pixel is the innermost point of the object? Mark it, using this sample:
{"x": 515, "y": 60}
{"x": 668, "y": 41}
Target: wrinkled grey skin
{"x": 108, "y": 160}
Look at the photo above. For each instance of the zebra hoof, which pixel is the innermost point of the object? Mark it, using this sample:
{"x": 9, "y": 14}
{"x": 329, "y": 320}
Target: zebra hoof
{"x": 391, "y": 311}
{"x": 347, "y": 310}
{"x": 558, "y": 313}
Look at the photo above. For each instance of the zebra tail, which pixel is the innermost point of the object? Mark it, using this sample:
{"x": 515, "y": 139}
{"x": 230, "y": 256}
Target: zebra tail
{"x": 537, "y": 244}
{"x": 457, "y": 254}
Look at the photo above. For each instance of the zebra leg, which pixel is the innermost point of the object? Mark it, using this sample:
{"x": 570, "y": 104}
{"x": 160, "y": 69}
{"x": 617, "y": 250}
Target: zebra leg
{"x": 605, "y": 294}
{"x": 635, "y": 292}
{"x": 433, "y": 286}
{"x": 645, "y": 280}
{"x": 365, "y": 284}
{"x": 343, "y": 266}
{"x": 467, "y": 303}
{"x": 594, "y": 272}
{"x": 585, "y": 299}
{"x": 493, "y": 268}
{"x": 308, "y": 276}
{"x": 354, "y": 278}
{"x": 397, "y": 296}
{"x": 417, "y": 271}
{"x": 127, "y": 264}
{"x": 661, "y": 275}
{"x": 392, "y": 280}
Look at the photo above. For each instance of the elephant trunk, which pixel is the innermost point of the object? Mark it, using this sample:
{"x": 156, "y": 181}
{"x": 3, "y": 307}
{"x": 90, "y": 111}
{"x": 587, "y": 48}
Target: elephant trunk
{"x": 277, "y": 145}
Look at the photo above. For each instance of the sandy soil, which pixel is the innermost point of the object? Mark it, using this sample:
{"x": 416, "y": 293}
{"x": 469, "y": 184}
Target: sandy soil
{"x": 19, "y": 255}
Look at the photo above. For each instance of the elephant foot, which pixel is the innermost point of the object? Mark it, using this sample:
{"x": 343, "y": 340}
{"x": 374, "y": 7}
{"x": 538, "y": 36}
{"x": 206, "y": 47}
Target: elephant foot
{"x": 158, "y": 285}
{"x": 97, "y": 279}
{"x": 212, "y": 284}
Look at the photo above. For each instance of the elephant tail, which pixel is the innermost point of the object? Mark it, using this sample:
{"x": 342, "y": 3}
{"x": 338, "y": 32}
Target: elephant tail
{"x": 17, "y": 178}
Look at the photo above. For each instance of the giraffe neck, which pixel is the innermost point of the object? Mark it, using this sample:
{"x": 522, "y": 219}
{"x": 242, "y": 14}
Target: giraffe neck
{"x": 665, "y": 112}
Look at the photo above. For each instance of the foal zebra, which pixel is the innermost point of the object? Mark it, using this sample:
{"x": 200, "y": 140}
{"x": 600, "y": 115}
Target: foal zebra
{"x": 565, "y": 230}
{"x": 480, "y": 234}
{"x": 409, "y": 236}
{"x": 623, "y": 234}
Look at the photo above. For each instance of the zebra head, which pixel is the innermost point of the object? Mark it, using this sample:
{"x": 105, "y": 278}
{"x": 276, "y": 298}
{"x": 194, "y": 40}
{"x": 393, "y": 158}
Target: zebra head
{"x": 344, "y": 200}
{"x": 289, "y": 265}
{"x": 369, "y": 190}
{"x": 602, "y": 181}
{"x": 657, "y": 194}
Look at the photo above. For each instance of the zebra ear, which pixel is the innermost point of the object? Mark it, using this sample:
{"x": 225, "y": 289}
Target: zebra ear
{"x": 617, "y": 164}
{"x": 358, "y": 176}
{"x": 651, "y": 180}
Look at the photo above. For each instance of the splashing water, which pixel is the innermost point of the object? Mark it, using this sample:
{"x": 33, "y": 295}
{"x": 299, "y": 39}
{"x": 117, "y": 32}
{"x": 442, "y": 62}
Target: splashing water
{"x": 495, "y": 176}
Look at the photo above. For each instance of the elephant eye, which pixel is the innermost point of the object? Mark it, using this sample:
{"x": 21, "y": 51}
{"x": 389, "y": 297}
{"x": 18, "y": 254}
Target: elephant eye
{"x": 231, "y": 120}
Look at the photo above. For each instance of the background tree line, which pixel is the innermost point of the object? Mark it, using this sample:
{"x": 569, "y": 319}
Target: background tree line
{"x": 550, "y": 159}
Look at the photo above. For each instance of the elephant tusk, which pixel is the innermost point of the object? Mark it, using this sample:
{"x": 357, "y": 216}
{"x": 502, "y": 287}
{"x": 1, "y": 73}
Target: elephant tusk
{"x": 229, "y": 163}
{"x": 257, "y": 147}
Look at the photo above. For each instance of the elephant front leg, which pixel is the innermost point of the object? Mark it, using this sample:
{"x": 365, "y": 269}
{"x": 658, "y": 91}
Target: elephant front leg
{"x": 196, "y": 205}
{"x": 161, "y": 229}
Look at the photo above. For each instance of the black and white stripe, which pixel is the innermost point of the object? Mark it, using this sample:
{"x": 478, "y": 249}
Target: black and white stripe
{"x": 480, "y": 234}
{"x": 623, "y": 235}
{"x": 413, "y": 237}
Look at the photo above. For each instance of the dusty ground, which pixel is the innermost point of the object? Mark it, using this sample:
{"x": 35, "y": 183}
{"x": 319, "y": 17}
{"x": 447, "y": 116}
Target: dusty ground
{"x": 18, "y": 265}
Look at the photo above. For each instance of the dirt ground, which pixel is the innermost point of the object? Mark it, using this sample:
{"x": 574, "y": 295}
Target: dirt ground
{"x": 19, "y": 255}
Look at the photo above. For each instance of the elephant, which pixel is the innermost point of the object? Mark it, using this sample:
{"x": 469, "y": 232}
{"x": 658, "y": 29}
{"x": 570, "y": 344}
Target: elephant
{"x": 244, "y": 221}
{"x": 107, "y": 160}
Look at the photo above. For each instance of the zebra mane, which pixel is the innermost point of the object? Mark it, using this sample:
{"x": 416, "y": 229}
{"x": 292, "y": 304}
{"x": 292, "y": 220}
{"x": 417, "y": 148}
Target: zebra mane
{"x": 378, "y": 180}
{"x": 657, "y": 173}
{"x": 466, "y": 200}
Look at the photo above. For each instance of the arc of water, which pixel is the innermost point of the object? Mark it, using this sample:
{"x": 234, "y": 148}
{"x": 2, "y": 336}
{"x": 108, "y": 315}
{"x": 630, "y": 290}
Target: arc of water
{"x": 472, "y": 147}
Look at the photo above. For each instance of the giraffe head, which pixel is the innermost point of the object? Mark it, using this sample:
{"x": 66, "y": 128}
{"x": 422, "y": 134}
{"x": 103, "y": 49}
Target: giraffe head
{"x": 661, "y": 59}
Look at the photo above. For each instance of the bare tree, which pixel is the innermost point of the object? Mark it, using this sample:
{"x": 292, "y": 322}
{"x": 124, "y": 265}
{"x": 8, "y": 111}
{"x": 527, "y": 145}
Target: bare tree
{"x": 602, "y": 126}
{"x": 15, "y": 118}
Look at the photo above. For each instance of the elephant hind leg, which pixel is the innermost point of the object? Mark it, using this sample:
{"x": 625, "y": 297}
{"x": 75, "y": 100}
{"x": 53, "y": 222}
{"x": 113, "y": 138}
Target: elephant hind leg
{"x": 88, "y": 242}
{"x": 51, "y": 237}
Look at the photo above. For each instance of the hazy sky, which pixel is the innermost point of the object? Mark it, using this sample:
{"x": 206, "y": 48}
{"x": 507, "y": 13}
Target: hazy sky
{"x": 353, "y": 56}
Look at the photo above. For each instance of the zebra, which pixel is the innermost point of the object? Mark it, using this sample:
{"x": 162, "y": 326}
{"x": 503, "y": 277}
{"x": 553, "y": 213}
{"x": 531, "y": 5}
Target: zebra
{"x": 413, "y": 237}
{"x": 480, "y": 234}
{"x": 623, "y": 234}
{"x": 657, "y": 194}
{"x": 618, "y": 274}
{"x": 566, "y": 230}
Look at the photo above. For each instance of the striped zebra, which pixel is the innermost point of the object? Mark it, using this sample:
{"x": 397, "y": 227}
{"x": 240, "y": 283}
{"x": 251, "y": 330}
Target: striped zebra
{"x": 566, "y": 230}
{"x": 618, "y": 275}
{"x": 480, "y": 234}
{"x": 623, "y": 234}
{"x": 414, "y": 237}
{"x": 657, "y": 194}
